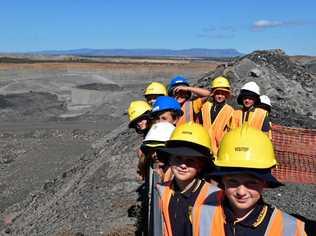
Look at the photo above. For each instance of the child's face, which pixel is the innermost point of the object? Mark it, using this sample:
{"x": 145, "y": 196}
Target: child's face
{"x": 220, "y": 96}
{"x": 248, "y": 102}
{"x": 142, "y": 124}
{"x": 185, "y": 169}
{"x": 165, "y": 117}
{"x": 151, "y": 99}
{"x": 180, "y": 95}
{"x": 243, "y": 191}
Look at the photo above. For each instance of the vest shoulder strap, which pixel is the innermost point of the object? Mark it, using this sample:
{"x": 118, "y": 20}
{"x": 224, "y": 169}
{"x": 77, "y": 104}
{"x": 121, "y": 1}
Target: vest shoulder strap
{"x": 284, "y": 224}
{"x": 257, "y": 118}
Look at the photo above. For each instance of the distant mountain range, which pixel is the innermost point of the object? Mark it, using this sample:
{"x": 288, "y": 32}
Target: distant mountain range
{"x": 192, "y": 53}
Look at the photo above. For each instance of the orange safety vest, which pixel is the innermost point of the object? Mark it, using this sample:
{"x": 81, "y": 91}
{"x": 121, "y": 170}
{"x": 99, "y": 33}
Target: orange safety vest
{"x": 212, "y": 220}
{"x": 219, "y": 127}
{"x": 208, "y": 217}
{"x": 255, "y": 119}
{"x": 191, "y": 111}
{"x": 165, "y": 193}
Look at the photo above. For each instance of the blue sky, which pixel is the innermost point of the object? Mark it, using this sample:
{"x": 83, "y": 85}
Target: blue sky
{"x": 245, "y": 25}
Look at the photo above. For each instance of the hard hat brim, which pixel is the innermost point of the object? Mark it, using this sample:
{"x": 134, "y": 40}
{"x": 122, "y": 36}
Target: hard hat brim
{"x": 132, "y": 123}
{"x": 221, "y": 89}
{"x": 183, "y": 151}
{"x": 151, "y": 147}
{"x": 154, "y": 94}
{"x": 246, "y": 93}
{"x": 263, "y": 174}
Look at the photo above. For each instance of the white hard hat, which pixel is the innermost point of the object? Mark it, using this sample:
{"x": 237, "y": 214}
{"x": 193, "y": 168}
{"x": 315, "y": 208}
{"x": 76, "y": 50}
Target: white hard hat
{"x": 251, "y": 86}
{"x": 264, "y": 99}
{"x": 158, "y": 134}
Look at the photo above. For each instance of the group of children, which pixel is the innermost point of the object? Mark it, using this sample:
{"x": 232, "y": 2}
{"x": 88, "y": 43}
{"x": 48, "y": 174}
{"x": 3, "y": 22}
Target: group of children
{"x": 213, "y": 160}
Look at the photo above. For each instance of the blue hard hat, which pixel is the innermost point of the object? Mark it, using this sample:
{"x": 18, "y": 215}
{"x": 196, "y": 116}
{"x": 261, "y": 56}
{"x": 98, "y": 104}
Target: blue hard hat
{"x": 166, "y": 103}
{"x": 176, "y": 81}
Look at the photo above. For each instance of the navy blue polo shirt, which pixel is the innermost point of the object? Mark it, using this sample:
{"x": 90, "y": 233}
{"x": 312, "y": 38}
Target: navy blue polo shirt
{"x": 180, "y": 208}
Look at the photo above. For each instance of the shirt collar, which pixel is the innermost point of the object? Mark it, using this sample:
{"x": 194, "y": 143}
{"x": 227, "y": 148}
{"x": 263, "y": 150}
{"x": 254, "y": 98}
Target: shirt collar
{"x": 253, "y": 220}
{"x": 191, "y": 190}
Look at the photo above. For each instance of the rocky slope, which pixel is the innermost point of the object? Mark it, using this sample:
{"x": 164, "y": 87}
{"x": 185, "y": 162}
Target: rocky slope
{"x": 289, "y": 85}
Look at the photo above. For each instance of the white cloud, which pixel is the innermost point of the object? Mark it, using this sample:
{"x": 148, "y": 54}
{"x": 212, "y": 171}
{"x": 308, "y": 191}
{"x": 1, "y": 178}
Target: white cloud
{"x": 265, "y": 24}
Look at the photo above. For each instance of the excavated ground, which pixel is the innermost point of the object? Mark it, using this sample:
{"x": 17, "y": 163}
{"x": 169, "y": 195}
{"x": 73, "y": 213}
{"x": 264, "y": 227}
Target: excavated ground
{"x": 68, "y": 163}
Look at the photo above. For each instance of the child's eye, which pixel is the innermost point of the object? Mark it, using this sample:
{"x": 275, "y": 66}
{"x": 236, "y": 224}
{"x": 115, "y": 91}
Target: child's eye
{"x": 252, "y": 184}
{"x": 232, "y": 182}
{"x": 189, "y": 161}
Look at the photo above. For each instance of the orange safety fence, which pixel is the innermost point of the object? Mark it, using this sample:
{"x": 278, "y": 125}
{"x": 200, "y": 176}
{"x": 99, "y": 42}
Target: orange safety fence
{"x": 295, "y": 149}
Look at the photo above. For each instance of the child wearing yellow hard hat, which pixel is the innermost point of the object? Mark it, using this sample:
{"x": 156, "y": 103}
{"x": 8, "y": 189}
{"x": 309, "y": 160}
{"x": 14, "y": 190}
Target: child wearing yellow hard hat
{"x": 245, "y": 159}
{"x": 217, "y": 114}
{"x": 189, "y": 155}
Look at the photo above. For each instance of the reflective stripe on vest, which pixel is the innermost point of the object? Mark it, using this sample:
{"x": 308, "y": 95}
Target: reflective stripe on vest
{"x": 165, "y": 195}
{"x": 205, "y": 196}
{"x": 209, "y": 215}
{"x": 284, "y": 224}
{"x": 187, "y": 109}
{"x": 217, "y": 129}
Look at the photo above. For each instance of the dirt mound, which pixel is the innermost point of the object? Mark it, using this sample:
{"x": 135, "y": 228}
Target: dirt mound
{"x": 30, "y": 106}
{"x": 101, "y": 189}
{"x": 100, "y": 87}
{"x": 288, "y": 84}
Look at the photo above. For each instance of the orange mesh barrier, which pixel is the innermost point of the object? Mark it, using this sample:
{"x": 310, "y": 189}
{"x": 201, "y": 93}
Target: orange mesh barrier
{"x": 295, "y": 149}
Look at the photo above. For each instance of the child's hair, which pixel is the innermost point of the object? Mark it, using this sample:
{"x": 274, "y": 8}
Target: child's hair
{"x": 174, "y": 114}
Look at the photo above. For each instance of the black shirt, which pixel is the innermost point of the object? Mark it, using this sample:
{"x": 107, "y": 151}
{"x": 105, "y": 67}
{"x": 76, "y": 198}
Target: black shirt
{"x": 255, "y": 224}
{"x": 180, "y": 208}
{"x": 216, "y": 109}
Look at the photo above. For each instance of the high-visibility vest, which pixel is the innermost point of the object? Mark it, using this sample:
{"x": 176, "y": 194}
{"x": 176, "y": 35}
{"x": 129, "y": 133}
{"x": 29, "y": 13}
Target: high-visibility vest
{"x": 255, "y": 119}
{"x": 165, "y": 193}
{"x": 284, "y": 224}
{"x": 191, "y": 111}
{"x": 208, "y": 218}
{"x": 219, "y": 126}
{"x": 188, "y": 113}
{"x": 212, "y": 220}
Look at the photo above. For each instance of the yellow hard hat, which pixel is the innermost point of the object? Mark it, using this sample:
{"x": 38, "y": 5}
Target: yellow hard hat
{"x": 156, "y": 88}
{"x": 136, "y": 109}
{"x": 192, "y": 133}
{"x": 220, "y": 82}
{"x": 246, "y": 147}
{"x": 189, "y": 140}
